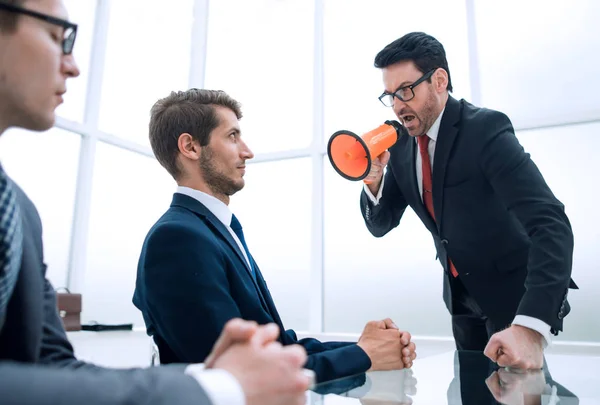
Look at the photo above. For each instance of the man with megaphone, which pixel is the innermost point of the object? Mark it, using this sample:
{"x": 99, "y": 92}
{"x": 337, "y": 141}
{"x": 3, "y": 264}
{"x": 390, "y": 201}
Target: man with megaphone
{"x": 502, "y": 237}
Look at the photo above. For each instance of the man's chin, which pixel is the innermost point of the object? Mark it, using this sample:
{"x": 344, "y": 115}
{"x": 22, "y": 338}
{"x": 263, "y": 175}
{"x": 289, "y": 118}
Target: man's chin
{"x": 42, "y": 123}
{"x": 238, "y": 186}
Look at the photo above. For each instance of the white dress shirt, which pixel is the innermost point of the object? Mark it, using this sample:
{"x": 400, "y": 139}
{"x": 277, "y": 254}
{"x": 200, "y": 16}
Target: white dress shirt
{"x": 219, "y": 209}
{"x": 221, "y": 387}
{"x": 527, "y": 321}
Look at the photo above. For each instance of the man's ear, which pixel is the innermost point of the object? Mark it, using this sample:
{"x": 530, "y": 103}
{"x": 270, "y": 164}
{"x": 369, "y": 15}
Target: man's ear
{"x": 440, "y": 80}
{"x": 188, "y": 146}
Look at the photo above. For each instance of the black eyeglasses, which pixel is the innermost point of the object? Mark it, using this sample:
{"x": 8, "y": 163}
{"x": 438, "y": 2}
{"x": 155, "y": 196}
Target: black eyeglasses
{"x": 405, "y": 93}
{"x": 70, "y": 29}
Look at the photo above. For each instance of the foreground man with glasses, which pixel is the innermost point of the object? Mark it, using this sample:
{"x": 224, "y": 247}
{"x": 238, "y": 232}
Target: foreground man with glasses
{"x": 37, "y": 364}
{"x": 502, "y": 237}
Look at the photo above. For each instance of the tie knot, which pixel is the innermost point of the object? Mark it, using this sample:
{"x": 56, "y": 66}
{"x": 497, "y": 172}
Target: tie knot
{"x": 423, "y": 142}
{"x": 235, "y": 224}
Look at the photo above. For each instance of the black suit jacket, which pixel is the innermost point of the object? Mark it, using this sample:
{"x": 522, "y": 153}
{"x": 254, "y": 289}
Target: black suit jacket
{"x": 192, "y": 278}
{"x": 496, "y": 217}
{"x": 37, "y": 364}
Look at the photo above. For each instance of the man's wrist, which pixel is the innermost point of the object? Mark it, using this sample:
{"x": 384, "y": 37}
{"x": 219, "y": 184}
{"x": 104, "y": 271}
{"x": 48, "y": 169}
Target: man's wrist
{"x": 221, "y": 386}
{"x": 374, "y": 188}
{"x": 536, "y": 336}
{"x": 536, "y": 325}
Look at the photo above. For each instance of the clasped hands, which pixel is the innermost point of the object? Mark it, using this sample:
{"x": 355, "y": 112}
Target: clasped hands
{"x": 270, "y": 373}
{"x": 388, "y": 347}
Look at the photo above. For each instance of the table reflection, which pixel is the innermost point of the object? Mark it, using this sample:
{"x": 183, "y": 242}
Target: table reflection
{"x": 459, "y": 378}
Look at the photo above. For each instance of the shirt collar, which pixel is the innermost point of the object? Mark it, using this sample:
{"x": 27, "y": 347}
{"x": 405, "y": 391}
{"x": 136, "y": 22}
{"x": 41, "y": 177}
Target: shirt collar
{"x": 435, "y": 128}
{"x": 214, "y": 205}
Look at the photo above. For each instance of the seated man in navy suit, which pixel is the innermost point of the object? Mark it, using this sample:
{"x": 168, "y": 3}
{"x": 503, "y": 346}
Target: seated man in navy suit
{"x": 195, "y": 271}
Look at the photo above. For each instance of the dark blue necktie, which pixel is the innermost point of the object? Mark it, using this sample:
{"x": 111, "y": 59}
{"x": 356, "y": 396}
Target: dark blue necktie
{"x": 237, "y": 228}
{"x": 11, "y": 240}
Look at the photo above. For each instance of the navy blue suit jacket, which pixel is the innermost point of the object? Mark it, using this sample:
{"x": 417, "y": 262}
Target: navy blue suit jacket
{"x": 496, "y": 217}
{"x": 192, "y": 278}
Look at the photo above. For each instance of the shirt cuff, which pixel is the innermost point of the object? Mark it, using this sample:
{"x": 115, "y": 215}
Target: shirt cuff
{"x": 374, "y": 199}
{"x": 535, "y": 324}
{"x": 221, "y": 387}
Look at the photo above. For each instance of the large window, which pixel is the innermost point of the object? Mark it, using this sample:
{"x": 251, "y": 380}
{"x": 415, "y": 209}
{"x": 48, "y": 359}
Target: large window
{"x": 130, "y": 193}
{"x": 543, "y": 69}
{"x": 44, "y": 165}
{"x": 368, "y": 278}
{"x": 261, "y": 53}
{"x": 147, "y": 57}
{"x": 275, "y": 210}
{"x": 302, "y": 69}
{"x": 573, "y": 184}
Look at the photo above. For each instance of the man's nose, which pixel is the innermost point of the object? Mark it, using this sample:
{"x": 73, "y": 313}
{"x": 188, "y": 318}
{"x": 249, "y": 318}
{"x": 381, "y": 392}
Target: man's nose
{"x": 69, "y": 67}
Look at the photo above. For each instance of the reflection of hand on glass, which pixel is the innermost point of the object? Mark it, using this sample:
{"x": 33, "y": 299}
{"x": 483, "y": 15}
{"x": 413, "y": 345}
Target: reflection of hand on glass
{"x": 390, "y": 387}
{"x": 517, "y": 387}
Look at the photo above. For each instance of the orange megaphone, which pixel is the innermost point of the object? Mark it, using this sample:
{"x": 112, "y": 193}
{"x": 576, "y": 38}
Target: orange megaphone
{"x": 351, "y": 155}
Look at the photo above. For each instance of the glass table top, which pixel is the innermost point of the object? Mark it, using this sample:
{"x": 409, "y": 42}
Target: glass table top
{"x": 469, "y": 378}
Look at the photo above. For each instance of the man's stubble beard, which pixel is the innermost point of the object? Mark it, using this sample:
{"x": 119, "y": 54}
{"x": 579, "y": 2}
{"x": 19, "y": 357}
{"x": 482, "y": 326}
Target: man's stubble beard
{"x": 218, "y": 182}
{"x": 428, "y": 114}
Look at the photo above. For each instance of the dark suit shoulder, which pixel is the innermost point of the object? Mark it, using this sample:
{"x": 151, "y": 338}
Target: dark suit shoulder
{"x": 178, "y": 216}
{"x": 483, "y": 121}
{"x": 182, "y": 227}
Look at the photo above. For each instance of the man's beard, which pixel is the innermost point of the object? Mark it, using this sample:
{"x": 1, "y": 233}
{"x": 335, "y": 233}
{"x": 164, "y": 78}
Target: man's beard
{"x": 428, "y": 114}
{"x": 218, "y": 182}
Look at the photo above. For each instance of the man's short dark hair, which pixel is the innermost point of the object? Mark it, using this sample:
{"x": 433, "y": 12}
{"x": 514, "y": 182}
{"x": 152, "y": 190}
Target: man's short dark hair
{"x": 423, "y": 50}
{"x": 8, "y": 19}
{"x": 193, "y": 112}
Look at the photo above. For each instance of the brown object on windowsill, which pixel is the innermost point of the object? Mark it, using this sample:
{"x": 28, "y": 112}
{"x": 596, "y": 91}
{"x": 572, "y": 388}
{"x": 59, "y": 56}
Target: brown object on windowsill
{"x": 69, "y": 307}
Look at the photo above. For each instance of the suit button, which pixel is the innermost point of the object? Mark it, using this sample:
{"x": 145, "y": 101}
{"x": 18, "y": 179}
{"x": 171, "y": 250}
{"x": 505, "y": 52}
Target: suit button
{"x": 444, "y": 241}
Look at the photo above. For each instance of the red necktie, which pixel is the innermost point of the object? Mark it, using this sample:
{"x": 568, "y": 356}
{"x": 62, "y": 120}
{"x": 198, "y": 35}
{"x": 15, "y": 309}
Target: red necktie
{"x": 423, "y": 142}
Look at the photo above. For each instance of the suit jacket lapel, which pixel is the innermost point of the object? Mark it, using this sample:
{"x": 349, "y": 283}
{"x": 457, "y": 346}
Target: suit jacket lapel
{"x": 219, "y": 227}
{"x": 199, "y": 208}
{"x": 272, "y": 309}
{"x": 443, "y": 148}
